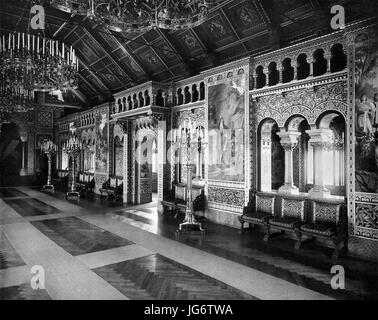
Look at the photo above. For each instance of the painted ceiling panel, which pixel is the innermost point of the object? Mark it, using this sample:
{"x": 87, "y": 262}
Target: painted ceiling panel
{"x": 113, "y": 61}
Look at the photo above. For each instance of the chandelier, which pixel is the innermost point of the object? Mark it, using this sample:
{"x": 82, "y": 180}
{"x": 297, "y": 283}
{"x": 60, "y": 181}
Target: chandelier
{"x": 140, "y": 15}
{"x": 28, "y": 64}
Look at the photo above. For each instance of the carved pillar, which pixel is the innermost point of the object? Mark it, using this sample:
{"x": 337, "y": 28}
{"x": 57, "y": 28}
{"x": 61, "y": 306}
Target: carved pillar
{"x": 162, "y": 141}
{"x": 280, "y": 71}
{"x": 311, "y": 61}
{"x": 24, "y": 139}
{"x": 153, "y": 96}
{"x": 289, "y": 140}
{"x": 266, "y": 161}
{"x": 190, "y": 91}
{"x": 266, "y": 72}
{"x": 328, "y": 56}
{"x": 164, "y": 96}
{"x": 124, "y": 127}
{"x": 320, "y": 140}
{"x": 295, "y": 66}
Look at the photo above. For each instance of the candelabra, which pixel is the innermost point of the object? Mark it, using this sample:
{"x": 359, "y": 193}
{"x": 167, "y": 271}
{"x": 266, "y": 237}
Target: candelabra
{"x": 73, "y": 148}
{"x": 190, "y": 140}
{"x": 48, "y": 148}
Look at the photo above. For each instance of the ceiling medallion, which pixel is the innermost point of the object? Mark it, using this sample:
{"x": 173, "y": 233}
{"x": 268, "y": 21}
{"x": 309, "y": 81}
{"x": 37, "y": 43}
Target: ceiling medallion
{"x": 141, "y": 15}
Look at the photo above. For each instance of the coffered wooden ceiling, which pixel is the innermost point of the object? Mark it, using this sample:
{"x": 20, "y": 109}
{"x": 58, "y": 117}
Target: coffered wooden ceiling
{"x": 111, "y": 62}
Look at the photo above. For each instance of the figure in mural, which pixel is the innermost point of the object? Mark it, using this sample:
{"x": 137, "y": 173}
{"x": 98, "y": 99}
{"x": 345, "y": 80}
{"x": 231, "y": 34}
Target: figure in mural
{"x": 101, "y": 143}
{"x": 365, "y": 115}
{"x": 226, "y": 125}
{"x": 366, "y": 80}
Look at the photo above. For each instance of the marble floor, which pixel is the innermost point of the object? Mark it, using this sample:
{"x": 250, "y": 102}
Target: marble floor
{"x": 97, "y": 249}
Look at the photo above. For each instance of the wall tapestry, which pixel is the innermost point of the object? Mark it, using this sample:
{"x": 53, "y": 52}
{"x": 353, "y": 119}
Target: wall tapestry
{"x": 226, "y": 109}
{"x": 366, "y": 108}
{"x": 101, "y": 143}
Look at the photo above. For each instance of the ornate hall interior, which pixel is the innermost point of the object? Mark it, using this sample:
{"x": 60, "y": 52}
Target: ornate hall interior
{"x": 188, "y": 150}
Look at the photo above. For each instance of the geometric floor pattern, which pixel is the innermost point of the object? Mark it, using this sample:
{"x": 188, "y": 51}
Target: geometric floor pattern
{"x": 23, "y": 292}
{"x": 11, "y": 192}
{"x": 78, "y": 237}
{"x": 156, "y": 277}
{"x": 9, "y": 258}
{"x": 31, "y": 207}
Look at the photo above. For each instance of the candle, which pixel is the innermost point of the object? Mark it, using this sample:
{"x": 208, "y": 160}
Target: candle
{"x": 38, "y": 45}
{"x": 3, "y": 42}
{"x": 14, "y": 42}
{"x": 23, "y": 40}
{"x": 28, "y": 42}
{"x": 1, "y": 46}
{"x": 43, "y": 45}
{"x": 9, "y": 42}
{"x": 18, "y": 41}
{"x": 63, "y": 50}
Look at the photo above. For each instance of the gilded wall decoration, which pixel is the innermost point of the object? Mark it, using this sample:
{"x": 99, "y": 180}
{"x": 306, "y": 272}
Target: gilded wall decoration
{"x": 367, "y": 215}
{"x": 232, "y": 197}
{"x": 44, "y": 119}
{"x": 310, "y": 103}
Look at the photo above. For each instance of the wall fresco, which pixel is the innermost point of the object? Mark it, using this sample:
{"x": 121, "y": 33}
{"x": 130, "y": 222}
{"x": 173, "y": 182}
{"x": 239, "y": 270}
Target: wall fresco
{"x": 226, "y": 112}
{"x": 366, "y": 112}
{"x": 102, "y": 143}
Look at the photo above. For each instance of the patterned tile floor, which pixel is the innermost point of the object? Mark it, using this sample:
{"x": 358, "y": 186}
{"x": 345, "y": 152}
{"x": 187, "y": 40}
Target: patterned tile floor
{"x": 9, "y": 258}
{"x": 78, "y": 237}
{"x": 11, "y": 192}
{"x": 23, "y": 292}
{"x": 309, "y": 267}
{"x": 31, "y": 207}
{"x": 121, "y": 252}
{"x": 157, "y": 277}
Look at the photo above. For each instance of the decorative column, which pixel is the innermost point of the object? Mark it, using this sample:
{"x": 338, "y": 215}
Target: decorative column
{"x": 311, "y": 61}
{"x": 289, "y": 140}
{"x": 24, "y": 139}
{"x": 162, "y": 158}
{"x": 320, "y": 140}
{"x": 295, "y": 66}
{"x": 328, "y": 57}
{"x": 266, "y": 72}
{"x": 280, "y": 71}
{"x": 124, "y": 127}
{"x": 266, "y": 161}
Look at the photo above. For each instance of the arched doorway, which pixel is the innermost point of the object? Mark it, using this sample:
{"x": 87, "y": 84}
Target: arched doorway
{"x": 147, "y": 167}
{"x": 10, "y": 155}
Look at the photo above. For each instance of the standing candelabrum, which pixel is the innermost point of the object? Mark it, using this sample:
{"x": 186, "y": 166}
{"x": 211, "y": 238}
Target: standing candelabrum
{"x": 49, "y": 149}
{"x": 73, "y": 148}
{"x": 189, "y": 139}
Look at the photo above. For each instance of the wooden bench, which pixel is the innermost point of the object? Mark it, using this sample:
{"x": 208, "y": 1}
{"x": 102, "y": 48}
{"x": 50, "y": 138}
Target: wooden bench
{"x": 85, "y": 183}
{"x": 259, "y": 211}
{"x": 308, "y": 219}
{"x": 291, "y": 217}
{"x": 112, "y": 188}
{"x": 329, "y": 221}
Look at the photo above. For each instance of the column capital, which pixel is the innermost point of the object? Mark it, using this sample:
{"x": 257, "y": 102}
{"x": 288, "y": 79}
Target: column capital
{"x": 321, "y": 138}
{"x": 289, "y": 139}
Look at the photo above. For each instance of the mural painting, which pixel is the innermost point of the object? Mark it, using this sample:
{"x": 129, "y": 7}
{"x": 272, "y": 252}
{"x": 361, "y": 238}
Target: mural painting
{"x": 101, "y": 144}
{"x": 226, "y": 109}
{"x": 366, "y": 108}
